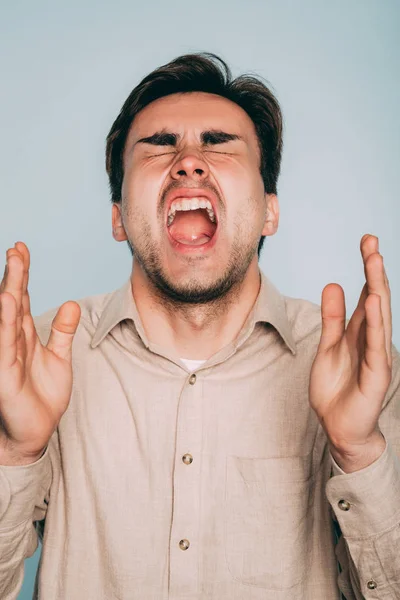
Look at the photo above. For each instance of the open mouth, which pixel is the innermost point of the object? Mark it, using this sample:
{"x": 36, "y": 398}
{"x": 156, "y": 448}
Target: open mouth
{"x": 191, "y": 221}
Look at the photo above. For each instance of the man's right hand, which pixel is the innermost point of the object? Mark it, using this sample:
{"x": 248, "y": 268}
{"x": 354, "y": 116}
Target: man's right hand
{"x": 35, "y": 380}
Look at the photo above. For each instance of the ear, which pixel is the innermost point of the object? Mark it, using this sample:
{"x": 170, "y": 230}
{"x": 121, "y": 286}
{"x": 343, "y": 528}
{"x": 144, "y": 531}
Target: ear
{"x": 118, "y": 230}
{"x": 272, "y": 217}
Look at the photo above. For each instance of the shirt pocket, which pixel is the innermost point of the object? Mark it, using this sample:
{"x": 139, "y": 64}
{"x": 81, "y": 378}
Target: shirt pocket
{"x": 268, "y": 520}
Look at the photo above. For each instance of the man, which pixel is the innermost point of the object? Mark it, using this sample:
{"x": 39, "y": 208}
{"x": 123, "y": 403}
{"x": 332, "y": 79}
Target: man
{"x": 195, "y": 434}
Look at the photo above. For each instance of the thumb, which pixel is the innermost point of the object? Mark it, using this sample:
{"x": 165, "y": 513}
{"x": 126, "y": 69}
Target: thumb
{"x": 333, "y": 312}
{"x": 63, "y": 329}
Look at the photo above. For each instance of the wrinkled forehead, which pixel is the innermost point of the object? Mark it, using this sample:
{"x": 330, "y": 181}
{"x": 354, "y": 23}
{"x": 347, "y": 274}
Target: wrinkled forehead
{"x": 188, "y": 114}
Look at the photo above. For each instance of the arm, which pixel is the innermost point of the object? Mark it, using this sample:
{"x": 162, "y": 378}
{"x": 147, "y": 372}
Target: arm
{"x": 354, "y": 390}
{"x": 35, "y": 388}
{"x": 369, "y": 549}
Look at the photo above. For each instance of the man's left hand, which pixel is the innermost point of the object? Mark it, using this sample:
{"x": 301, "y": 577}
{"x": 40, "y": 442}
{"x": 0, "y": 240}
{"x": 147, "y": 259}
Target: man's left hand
{"x": 352, "y": 369}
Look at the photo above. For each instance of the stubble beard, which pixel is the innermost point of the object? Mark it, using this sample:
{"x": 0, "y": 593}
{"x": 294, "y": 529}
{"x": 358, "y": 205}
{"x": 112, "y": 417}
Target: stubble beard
{"x": 192, "y": 291}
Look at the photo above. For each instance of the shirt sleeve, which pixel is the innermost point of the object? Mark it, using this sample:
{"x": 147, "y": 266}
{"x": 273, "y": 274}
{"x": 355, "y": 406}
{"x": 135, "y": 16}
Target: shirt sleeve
{"x": 366, "y": 506}
{"x": 23, "y": 502}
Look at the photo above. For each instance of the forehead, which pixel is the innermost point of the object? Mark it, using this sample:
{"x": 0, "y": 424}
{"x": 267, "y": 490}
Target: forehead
{"x": 195, "y": 111}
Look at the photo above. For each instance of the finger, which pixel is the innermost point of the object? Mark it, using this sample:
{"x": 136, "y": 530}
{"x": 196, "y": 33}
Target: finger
{"x": 24, "y": 252}
{"x": 63, "y": 329}
{"x": 357, "y": 318}
{"x": 333, "y": 312}
{"x": 3, "y": 281}
{"x": 368, "y": 245}
{"x": 8, "y": 330}
{"x": 355, "y": 331}
{"x": 376, "y": 376}
{"x": 28, "y": 323}
{"x": 14, "y": 282}
{"x": 9, "y": 253}
{"x": 376, "y": 285}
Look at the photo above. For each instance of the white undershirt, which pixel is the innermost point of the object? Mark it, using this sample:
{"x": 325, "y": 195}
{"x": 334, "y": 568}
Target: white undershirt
{"x": 192, "y": 364}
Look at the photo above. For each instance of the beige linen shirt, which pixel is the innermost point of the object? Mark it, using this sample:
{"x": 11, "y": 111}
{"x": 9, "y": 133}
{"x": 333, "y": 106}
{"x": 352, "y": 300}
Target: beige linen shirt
{"x": 165, "y": 484}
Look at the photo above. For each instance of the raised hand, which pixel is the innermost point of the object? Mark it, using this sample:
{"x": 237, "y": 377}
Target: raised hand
{"x": 35, "y": 380}
{"x": 351, "y": 372}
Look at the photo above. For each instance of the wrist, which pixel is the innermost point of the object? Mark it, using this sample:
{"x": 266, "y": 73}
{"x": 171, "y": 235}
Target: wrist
{"x": 13, "y": 456}
{"x": 355, "y": 458}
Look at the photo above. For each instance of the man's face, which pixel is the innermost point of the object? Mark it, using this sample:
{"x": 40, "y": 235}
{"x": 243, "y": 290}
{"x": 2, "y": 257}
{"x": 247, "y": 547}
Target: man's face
{"x": 185, "y": 147}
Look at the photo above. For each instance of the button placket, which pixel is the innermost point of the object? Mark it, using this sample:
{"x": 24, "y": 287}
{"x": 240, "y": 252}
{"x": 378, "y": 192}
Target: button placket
{"x": 184, "y": 550}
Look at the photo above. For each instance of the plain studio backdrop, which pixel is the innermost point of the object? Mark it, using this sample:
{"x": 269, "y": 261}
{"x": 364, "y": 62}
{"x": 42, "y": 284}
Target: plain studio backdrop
{"x": 67, "y": 67}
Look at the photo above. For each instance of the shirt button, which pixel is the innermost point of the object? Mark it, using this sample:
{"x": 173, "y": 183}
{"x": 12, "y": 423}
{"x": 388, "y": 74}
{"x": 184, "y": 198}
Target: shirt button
{"x": 371, "y": 585}
{"x": 192, "y": 379}
{"x": 344, "y": 505}
{"x": 184, "y": 544}
{"x": 187, "y": 459}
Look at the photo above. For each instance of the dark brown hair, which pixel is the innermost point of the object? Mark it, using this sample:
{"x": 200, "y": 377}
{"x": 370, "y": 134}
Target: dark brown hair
{"x": 202, "y": 72}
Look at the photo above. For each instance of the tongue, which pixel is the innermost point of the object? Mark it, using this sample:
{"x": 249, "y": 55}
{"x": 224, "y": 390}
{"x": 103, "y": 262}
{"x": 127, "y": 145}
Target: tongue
{"x": 192, "y": 227}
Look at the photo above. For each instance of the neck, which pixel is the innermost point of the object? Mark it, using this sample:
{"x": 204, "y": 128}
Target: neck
{"x": 194, "y": 331}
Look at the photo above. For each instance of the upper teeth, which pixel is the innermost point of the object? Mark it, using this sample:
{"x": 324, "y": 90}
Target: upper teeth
{"x": 190, "y": 204}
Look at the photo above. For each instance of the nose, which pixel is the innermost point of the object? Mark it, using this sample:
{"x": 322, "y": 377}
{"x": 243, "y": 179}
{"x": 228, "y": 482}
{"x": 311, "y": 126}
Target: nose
{"x": 191, "y": 165}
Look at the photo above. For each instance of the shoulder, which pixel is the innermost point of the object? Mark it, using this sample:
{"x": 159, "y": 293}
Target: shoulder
{"x": 91, "y": 310}
{"x": 305, "y": 320}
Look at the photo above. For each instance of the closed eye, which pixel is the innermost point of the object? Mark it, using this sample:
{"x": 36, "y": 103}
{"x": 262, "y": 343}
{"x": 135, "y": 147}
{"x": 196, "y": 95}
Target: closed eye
{"x": 217, "y": 142}
{"x": 161, "y": 153}
{"x": 222, "y": 152}
{"x": 209, "y": 139}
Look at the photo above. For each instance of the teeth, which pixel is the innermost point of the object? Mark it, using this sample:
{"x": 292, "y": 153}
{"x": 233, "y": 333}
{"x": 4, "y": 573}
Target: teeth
{"x": 190, "y": 204}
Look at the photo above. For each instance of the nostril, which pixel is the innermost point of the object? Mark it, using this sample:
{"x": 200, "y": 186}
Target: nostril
{"x": 181, "y": 172}
{"x": 199, "y": 171}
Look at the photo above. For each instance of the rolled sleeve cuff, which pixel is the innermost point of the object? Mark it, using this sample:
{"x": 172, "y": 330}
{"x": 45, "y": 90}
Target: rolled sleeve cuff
{"x": 373, "y": 494}
{"x": 336, "y": 470}
{"x": 20, "y": 487}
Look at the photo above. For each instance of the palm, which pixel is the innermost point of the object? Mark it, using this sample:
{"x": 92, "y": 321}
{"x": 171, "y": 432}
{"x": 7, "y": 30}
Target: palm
{"x": 340, "y": 395}
{"x": 35, "y": 392}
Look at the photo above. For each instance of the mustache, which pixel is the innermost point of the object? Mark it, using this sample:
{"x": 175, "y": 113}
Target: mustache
{"x": 188, "y": 184}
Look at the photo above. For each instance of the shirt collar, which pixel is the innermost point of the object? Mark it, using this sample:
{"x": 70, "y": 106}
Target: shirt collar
{"x": 270, "y": 307}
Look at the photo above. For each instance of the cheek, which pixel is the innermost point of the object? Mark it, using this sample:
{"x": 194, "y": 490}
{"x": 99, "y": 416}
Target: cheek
{"x": 135, "y": 186}
{"x": 141, "y": 194}
{"x": 248, "y": 205}
{"x": 244, "y": 193}
{"x": 240, "y": 177}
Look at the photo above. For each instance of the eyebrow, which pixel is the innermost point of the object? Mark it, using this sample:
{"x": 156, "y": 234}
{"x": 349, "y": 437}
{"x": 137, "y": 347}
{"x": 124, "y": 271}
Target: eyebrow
{"x": 210, "y": 137}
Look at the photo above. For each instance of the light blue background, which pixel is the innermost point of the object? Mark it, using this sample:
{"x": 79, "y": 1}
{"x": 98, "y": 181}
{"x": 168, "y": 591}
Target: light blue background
{"x": 67, "y": 67}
